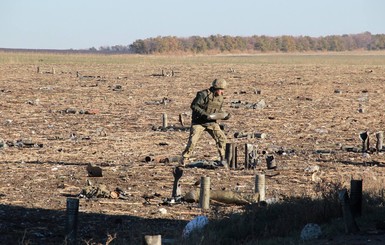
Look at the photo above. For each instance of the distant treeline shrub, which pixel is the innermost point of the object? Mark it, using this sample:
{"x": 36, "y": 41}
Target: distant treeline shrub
{"x": 228, "y": 44}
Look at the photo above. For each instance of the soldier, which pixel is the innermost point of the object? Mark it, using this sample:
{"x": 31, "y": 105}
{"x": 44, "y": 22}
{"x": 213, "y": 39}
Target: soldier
{"x": 206, "y": 109}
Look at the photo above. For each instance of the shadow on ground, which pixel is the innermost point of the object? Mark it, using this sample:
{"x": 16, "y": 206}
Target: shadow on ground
{"x": 19, "y": 225}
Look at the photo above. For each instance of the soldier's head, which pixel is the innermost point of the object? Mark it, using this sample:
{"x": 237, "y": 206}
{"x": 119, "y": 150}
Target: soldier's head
{"x": 218, "y": 86}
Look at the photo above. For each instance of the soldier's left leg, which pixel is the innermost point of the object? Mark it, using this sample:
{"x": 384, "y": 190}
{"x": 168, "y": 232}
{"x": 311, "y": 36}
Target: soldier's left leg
{"x": 220, "y": 139}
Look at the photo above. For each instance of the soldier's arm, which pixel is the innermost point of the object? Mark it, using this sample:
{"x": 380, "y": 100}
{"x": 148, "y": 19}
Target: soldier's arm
{"x": 198, "y": 104}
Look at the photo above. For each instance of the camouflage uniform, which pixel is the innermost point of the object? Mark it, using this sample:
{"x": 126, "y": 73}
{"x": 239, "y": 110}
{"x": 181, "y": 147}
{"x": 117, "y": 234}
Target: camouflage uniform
{"x": 204, "y": 104}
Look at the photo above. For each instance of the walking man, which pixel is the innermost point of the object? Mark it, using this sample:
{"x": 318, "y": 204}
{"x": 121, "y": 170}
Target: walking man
{"x": 206, "y": 110}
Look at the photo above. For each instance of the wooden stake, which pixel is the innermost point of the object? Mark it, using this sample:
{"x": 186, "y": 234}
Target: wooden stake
{"x": 234, "y": 163}
{"x": 164, "y": 121}
{"x": 204, "y": 197}
{"x": 350, "y": 223}
{"x": 72, "y": 220}
{"x": 231, "y": 155}
{"x": 356, "y": 197}
{"x": 260, "y": 187}
{"x": 229, "y": 152}
{"x": 152, "y": 240}
{"x": 380, "y": 140}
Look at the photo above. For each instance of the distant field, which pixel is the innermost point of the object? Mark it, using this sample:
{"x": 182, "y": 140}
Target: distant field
{"x": 343, "y": 58}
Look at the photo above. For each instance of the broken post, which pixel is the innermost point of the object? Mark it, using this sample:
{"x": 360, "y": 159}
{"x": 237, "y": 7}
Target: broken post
{"x": 356, "y": 197}
{"x": 364, "y": 136}
{"x": 177, "y": 173}
{"x": 152, "y": 240}
{"x": 164, "y": 121}
{"x": 350, "y": 223}
{"x": 260, "y": 187}
{"x": 72, "y": 220}
{"x": 204, "y": 197}
{"x": 250, "y": 156}
{"x": 270, "y": 161}
{"x": 380, "y": 140}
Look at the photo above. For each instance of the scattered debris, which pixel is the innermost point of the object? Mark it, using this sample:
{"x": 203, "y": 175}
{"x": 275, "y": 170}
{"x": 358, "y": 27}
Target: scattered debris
{"x": 249, "y": 135}
{"x": 162, "y": 101}
{"x": 170, "y": 128}
{"x": 238, "y": 104}
{"x": 228, "y": 197}
{"x": 21, "y": 143}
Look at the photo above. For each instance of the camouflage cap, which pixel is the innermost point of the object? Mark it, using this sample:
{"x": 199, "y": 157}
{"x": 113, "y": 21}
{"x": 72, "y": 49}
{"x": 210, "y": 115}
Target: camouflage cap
{"x": 219, "y": 83}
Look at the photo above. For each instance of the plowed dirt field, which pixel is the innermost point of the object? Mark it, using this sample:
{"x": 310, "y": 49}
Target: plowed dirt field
{"x": 107, "y": 111}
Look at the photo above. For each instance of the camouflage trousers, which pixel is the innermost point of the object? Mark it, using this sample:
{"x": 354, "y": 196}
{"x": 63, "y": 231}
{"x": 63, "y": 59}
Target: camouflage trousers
{"x": 214, "y": 130}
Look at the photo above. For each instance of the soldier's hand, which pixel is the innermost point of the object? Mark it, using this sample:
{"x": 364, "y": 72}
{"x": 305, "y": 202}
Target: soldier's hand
{"x": 227, "y": 117}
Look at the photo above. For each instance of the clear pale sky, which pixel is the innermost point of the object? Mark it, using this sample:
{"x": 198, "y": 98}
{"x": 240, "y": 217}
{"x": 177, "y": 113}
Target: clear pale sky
{"x": 82, "y": 24}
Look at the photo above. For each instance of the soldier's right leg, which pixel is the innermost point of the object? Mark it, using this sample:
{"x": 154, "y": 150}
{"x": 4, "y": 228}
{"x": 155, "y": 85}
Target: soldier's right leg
{"x": 195, "y": 134}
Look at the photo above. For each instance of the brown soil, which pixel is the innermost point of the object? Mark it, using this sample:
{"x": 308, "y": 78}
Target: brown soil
{"x": 311, "y": 109}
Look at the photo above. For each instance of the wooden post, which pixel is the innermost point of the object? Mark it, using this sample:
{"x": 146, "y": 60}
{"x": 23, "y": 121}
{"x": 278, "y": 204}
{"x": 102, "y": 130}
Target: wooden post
{"x": 152, "y": 240}
{"x": 38, "y": 69}
{"x": 260, "y": 187}
{"x": 380, "y": 140}
{"x": 350, "y": 223}
{"x": 356, "y": 197}
{"x": 234, "y": 162}
{"x": 72, "y": 220}
{"x": 364, "y": 136}
{"x": 164, "y": 121}
{"x": 204, "y": 196}
{"x": 229, "y": 153}
{"x": 247, "y": 155}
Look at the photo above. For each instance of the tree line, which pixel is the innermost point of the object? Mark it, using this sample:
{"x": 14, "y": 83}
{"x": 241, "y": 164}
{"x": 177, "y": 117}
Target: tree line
{"x": 252, "y": 44}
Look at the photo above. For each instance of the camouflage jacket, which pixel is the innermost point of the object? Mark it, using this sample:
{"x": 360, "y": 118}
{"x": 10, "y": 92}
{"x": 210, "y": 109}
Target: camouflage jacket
{"x": 204, "y": 104}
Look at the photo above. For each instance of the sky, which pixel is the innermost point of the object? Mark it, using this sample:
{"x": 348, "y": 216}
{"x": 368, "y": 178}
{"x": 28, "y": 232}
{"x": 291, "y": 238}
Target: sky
{"x": 82, "y": 24}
